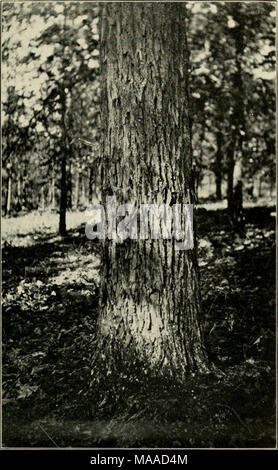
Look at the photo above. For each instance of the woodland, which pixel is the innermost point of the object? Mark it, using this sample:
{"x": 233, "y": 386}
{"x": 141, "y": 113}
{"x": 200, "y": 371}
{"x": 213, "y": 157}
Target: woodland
{"x": 132, "y": 343}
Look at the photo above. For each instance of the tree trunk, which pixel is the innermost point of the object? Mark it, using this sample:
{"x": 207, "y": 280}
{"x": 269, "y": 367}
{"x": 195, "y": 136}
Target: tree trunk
{"x": 42, "y": 198}
{"x": 83, "y": 190}
{"x": 218, "y": 169}
{"x": 9, "y": 195}
{"x": 69, "y": 185}
{"x": 64, "y": 145}
{"x": 63, "y": 198}
{"x": 90, "y": 195}
{"x": 19, "y": 181}
{"x": 76, "y": 202}
{"x": 52, "y": 190}
{"x": 150, "y": 294}
{"x": 63, "y": 187}
{"x": 230, "y": 182}
{"x": 237, "y": 122}
{"x": 260, "y": 193}
{"x": 198, "y": 176}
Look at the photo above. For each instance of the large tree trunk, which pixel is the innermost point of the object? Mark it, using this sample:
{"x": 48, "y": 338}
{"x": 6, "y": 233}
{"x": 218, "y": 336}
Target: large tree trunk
{"x": 150, "y": 293}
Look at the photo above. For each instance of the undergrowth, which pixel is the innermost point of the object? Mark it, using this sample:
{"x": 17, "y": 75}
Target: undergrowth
{"x": 56, "y": 394}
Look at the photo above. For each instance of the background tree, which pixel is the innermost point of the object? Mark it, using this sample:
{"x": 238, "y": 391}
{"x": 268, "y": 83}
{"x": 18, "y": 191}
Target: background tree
{"x": 231, "y": 85}
{"x": 32, "y": 106}
{"x": 58, "y": 65}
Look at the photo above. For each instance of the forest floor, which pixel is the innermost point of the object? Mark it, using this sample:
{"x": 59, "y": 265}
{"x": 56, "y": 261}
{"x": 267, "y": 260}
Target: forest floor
{"x": 50, "y": 307}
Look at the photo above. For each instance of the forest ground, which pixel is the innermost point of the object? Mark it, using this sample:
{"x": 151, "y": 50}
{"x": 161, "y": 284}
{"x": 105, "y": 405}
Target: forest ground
{"x": 50, "y": 307}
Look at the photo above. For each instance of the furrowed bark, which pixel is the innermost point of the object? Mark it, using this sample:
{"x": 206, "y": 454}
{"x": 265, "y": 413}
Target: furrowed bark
{"x": 150, "y": 294}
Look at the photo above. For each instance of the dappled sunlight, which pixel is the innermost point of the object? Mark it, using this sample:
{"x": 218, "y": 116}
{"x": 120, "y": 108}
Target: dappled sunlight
{"x": 114, "y": 333}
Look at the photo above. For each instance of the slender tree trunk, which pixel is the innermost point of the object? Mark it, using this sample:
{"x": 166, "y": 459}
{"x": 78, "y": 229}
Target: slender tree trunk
{"x": 237, "y": 117}
{"x": 19, "y": 181}
{"x": 90, "y": 195}
{"x": 5, "y": 198}
{"x": 197, "y": 179}
{"x": 49, "y": 195}
{"x": 42, "y": 198}
{"x": 230, "y": 181}
{"x": 63, "y": 187}
{"x": 252, "y": 188}
{"x": 63, "y": 197}
{"x": 198, "y": 172}
{"x": 77, "y": 189}
{"x": 83, "y": 190}
{"x": 69, "y": 186}
{"x": 53, "y": 192}
{"x": 150, "y": 294}
{"x": 260, "y": 186}
{"x": 9, "y": 194}
{"x": 218, "y": 170}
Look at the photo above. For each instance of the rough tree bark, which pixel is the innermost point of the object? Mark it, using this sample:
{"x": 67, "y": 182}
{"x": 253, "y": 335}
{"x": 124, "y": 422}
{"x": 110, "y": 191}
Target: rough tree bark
{"x": 150, "y": 294}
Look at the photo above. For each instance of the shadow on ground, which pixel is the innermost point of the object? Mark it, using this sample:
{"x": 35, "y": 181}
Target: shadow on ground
{"x": 50, "y": 309}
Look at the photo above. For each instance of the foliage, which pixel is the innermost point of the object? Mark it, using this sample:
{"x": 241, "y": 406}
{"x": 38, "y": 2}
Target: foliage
{"x": 218, "y": 105}
{"x": 49, "y": 110}
{"x": 53, "y": 48}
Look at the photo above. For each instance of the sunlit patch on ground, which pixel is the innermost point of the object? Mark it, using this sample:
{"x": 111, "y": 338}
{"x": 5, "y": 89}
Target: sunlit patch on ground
{"x": 50, "y": 309}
